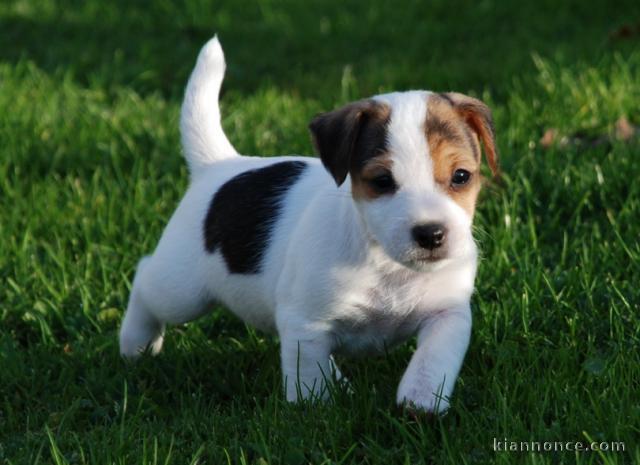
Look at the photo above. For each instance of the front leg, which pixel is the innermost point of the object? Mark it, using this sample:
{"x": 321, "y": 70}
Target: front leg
{"x": 434, "y": 367}
{"x": 306, "y": 359}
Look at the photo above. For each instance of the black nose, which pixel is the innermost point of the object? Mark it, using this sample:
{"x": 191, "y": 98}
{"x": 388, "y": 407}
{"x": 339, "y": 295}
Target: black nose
{"x": 429, "y": 236}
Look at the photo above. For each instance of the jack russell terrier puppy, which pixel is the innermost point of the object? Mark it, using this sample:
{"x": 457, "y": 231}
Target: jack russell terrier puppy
{"x": 352, "y": 253}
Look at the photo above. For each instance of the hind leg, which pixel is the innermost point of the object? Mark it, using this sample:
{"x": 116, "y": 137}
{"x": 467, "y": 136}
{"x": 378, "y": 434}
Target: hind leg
{"x": 141, "y": 330}
{"x": 169, "y": 287}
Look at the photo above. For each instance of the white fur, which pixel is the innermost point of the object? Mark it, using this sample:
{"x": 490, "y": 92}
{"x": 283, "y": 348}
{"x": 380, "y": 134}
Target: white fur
{"x": 338, "y": 275}
{"x": 203, "y": 139}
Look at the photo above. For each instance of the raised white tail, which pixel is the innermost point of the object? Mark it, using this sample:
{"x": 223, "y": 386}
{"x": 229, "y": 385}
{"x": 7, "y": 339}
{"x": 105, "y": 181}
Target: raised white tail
{"x": 203, "y": 139}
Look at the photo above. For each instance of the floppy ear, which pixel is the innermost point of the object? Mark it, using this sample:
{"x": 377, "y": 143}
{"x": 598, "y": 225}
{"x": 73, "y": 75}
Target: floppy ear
{"x": 478, "y": 116}
{"x": 335, "y": 136}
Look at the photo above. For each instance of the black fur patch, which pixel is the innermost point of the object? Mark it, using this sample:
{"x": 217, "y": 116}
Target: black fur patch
{"x": 242, "y": 213}
{"x": 348, "y": 136}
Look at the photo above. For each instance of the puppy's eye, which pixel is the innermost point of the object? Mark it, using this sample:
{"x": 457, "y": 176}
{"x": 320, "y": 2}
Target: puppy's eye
{"x": 460, "y": 177}
{"x": 383, "y": 183}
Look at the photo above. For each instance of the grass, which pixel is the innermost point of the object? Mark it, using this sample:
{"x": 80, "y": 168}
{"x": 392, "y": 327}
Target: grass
{"x": 90, "y": 172}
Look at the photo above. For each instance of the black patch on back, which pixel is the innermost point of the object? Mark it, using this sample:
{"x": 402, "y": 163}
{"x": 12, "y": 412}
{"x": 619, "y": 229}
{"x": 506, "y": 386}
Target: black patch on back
{"x": 243, "y": 211}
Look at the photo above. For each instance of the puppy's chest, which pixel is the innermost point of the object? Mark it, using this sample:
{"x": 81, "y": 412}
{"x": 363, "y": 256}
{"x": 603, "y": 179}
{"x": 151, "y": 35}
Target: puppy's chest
{"x": 379, "y": 317}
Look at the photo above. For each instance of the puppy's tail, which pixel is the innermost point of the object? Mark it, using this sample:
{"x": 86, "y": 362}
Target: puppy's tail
{"x": 203, "y": 139}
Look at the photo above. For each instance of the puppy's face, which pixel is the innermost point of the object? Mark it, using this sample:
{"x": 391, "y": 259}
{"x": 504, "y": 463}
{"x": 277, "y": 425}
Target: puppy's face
{"x": 414, "y": 163}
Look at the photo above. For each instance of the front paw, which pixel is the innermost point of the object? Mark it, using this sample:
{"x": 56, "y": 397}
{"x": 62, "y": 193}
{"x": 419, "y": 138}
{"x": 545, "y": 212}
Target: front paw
{"x": 423, "y": 398}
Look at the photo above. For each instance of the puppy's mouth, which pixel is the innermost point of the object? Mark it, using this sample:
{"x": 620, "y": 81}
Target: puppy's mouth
{"x": 430, "y": 256}
{"x": 427, "y": 260}
{"x": 430, "y": 259}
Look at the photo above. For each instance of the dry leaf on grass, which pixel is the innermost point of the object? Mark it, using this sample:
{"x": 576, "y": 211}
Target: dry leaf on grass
{"x": 624, "y": 131}
{"x": 549, "y": 137}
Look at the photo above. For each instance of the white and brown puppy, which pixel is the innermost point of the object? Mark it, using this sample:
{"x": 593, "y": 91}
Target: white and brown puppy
{"x": 353, "y": 261}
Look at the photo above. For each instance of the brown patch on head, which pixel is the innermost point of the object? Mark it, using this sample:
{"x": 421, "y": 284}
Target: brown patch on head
{"x": 362, "y": 180}
{"x": 478, "y": 116}
{"x": 455, "y": 125}
{"x": 353, "y": 140}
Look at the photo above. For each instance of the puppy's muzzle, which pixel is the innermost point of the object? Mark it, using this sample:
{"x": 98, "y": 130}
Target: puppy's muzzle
{"x": 429, "y": 236}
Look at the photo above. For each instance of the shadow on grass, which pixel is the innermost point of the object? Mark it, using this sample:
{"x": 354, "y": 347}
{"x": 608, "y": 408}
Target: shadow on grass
{"x": 88, "y": 383}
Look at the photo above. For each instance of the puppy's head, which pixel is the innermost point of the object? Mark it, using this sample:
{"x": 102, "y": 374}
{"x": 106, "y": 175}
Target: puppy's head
{"x": 413, "y": 159}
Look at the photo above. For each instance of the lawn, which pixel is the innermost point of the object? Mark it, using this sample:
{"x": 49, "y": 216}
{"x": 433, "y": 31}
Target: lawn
{"x": 90, "y": 171}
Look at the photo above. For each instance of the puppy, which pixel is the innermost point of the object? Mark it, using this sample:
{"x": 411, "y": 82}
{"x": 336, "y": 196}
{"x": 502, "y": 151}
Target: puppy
{"x": 352, "y": 253}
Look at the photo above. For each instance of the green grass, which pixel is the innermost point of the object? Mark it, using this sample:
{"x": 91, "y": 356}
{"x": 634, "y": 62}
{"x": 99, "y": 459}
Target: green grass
{"x": 90, "y": 172}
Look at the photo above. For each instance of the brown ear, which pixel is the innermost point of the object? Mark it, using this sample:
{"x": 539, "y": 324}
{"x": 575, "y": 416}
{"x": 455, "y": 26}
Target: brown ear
{"x": 335, "y": 136}
{"x": 478, "y": 116}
